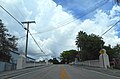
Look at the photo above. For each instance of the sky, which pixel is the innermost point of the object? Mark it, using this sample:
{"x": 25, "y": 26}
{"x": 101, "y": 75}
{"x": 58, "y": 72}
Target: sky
{"x": 59, "y": 21}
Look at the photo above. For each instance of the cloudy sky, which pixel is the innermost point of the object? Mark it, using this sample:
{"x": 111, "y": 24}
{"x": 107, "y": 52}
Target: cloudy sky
{"x": 59, "y": 21}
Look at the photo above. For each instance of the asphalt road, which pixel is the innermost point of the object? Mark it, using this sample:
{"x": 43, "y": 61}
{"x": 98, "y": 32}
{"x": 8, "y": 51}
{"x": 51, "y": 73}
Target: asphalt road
{"x": 63, "y": 72}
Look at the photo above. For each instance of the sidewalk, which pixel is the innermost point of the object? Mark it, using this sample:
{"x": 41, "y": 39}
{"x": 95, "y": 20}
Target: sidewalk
{"x": 113, "y": 72}
{"x": 7, "y": 74}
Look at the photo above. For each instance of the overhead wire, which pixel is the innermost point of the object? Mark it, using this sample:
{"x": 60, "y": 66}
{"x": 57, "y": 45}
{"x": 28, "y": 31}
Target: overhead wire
{"x": 110, "y": 28}
{"x": 12, "y": 16}
{"x": 70, "y": 21}
{"x": 105, "y": 33}
{"x": 15, "y": 18}
{"x": 36, "y": 43}
{"x": 19, "y": 11}
{"x": 56, "y": 27}
{"x": 66, "y": 23}
{"x": 23, "y": 27}
{"x": 40, "y": 32}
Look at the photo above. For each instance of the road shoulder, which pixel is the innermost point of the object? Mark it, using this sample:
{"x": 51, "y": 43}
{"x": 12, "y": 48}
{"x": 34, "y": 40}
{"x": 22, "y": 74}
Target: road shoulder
{"x": 112, "y": 72}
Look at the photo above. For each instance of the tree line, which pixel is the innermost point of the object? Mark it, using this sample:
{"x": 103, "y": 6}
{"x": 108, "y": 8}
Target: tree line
{"x": 88, "y": 48}
{"x": 8, "y": 43}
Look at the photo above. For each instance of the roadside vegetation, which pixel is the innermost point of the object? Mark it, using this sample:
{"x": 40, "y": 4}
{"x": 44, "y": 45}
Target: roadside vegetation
{"x": 8, "y": 43}
{"x": 88, "y": 49}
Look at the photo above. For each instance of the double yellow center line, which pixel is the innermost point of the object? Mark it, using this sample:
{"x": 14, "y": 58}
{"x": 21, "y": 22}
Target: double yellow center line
{"x": 64, "y": 74}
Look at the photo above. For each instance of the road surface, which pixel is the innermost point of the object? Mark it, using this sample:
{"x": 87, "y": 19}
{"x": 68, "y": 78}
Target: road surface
{"x": 63, "y": 72}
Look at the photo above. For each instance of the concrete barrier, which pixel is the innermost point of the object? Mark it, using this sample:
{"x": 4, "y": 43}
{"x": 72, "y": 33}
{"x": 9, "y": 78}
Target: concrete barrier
{"x": 94, "y": 63}
{"x": 5, "y": 66}
{"x": 30, "y": 64}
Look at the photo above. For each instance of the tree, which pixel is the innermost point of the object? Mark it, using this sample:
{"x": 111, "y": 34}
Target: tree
{"x": 117, "y": 1}
{"x": 68, "y": 56}
{"x": 113, "y": 52}
{"x": 89, "y": 45}
{"x": 109, "y": 51}
{"x": 50, "y": 60}
{"x": 55, "y": 61}
{"x": 7, "y": 43}
{"x": 117, "y": 51}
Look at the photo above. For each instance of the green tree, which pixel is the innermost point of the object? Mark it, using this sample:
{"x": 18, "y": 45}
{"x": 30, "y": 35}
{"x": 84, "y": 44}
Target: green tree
{"x": 89, "y": 45}
{"x": 117, "y": 51}
{"x": 68, "y": 56}
{"x": 113, "y": 52}
{"x": 7, "y": 43}
{"x": 109, "y": 51}
{"x": 55, "y": 61}
{"x": 50, "y": 60}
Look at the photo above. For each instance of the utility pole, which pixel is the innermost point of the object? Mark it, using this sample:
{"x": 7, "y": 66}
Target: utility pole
{"x": 27, "y": 22}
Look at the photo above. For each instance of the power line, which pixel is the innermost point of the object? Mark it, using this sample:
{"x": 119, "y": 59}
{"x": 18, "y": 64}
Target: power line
{"x": 68, "y": 22}
{"x": 110, "y": 28}
{"x": 22, "y": 27}
{"x": 105, "y": 33}
{"x": 28, "y": 22}
{"x": 12, "y": 16}
{"x": 65, "y": 23}
{"x": 73, "y": 20}
{"x": 19, "y": 11}
{"x": 37, "y": 43}
{"x": 47, "y": 31}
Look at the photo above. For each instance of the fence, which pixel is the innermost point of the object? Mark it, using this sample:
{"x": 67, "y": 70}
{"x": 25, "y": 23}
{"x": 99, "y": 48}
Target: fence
{"x": 4, "y": 66}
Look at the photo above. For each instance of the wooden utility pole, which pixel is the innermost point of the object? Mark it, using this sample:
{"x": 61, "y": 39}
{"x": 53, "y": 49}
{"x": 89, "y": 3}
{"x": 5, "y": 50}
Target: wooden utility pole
{"x": 27, "y": 22}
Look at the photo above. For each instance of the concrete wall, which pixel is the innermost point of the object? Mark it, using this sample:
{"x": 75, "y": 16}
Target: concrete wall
{"x": 90, "y": 63}
{"x": 33, "y": 64}
{"x": 4, "y": 66}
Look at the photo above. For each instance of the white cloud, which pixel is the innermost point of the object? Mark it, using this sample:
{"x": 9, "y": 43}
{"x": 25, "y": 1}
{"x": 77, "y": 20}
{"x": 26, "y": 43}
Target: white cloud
{"x": 115, "y": 11}
{"x": 49, "y": 16}
{"x": 102, "y": 22}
